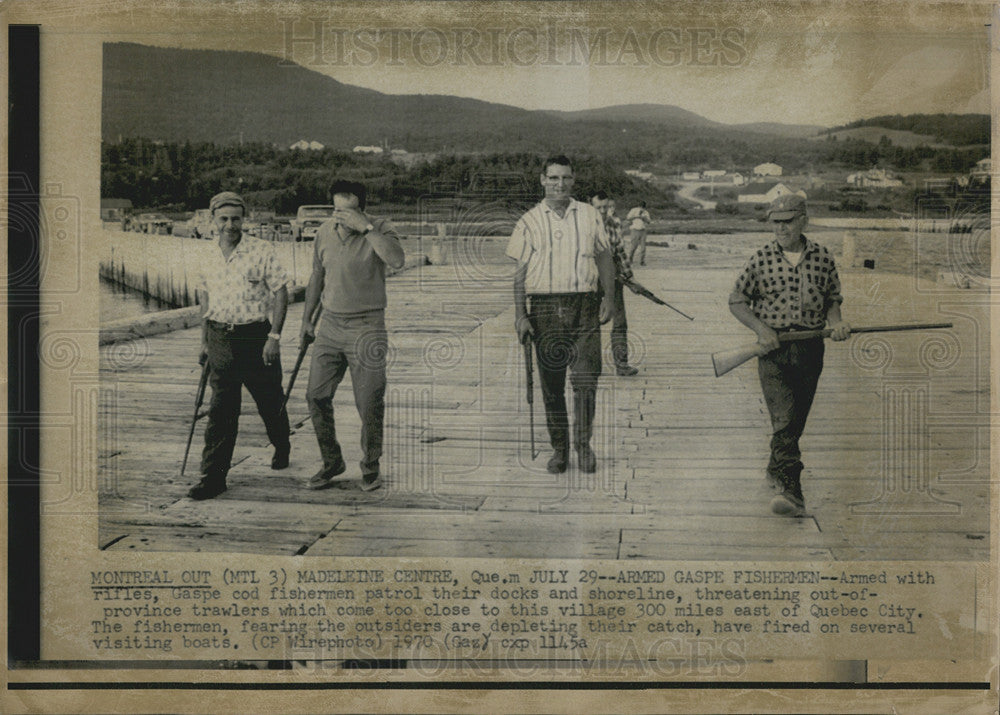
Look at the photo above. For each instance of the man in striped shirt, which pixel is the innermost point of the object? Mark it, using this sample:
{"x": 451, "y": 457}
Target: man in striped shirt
{"x": 562, "y": 253}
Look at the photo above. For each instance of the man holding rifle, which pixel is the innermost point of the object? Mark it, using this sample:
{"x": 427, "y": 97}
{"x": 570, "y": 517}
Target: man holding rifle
{"x": 562, "y": 254}
{"x": 350, "y": 256}
{"x": 788, "y": 285}
{"x": 243, "y": 284}
{"x": 623, "y": 272}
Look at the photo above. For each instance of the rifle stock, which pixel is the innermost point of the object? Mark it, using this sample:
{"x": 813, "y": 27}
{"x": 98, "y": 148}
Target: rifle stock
{"x": 726, "y": 360}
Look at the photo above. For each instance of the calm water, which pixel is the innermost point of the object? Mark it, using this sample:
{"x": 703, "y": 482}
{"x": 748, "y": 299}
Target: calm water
{"x": 117, "y": 303}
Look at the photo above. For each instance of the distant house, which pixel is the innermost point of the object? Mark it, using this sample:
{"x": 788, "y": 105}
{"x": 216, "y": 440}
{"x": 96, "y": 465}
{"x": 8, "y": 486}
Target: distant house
{"x": 115, "y": 209}
{"x": 638, "y": 174}
{"x": 767, "y": 169}
{"x": 713, "y": 173}
{"x": 981, "y": 172}
{"x": 738, "y": 179}
{"x": 762, "y": 192}
{"x": 873, "y": 179}
{"x": 306, "y": 145}
{"x": 368, "y": 150}
{"x": 690, "y": 176}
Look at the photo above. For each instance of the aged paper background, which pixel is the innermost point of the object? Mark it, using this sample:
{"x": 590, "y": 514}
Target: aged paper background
{"x": 72, "y": 37}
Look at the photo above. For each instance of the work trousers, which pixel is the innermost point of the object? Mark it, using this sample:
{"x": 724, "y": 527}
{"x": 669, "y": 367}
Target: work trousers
{"x": 638, "y": 247}
{"x": 788, "y": 378}
{"x": 235, "y": 359}
{"x": 619, "y": 328}
{"x": 568, "y": 337}
{"x": 358, "y": 342}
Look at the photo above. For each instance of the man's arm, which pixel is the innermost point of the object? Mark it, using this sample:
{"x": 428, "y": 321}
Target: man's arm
{"x": 272, "y": 347}
{"x": 314, "y": 290}
{"x": 386, "y": 246}
{"x": 841, "y": 329}
{"x": 766, "y": 337}
{"x": 203, "y": 304}
{"x": 606, "y": 272}
{"x": 521, "y": 323}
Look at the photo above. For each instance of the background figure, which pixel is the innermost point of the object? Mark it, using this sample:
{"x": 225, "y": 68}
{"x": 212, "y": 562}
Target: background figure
{"x": 638, "y": 220}
{"x": 241, "y": 284}
{"x": 789, "y": 284}
{"x": 561, "y": 249}
{"x": 623, "y": 272}
{"x": 350, "y": 254}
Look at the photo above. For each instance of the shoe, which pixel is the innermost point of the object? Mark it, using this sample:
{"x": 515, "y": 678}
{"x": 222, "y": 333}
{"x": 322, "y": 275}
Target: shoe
{"x": 371, "y": 482}
{"x": 787, "y": 504}
{"x": 280, "y": 458}
{"x": 558, "y": 462}
{"x": 324, "y": 477}
{"x": 207, "y": 488}
{"x": 586, "y": 460}
{"x": 626, "y": 371}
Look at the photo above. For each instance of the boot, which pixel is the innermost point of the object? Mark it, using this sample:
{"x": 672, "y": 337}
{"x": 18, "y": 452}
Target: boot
{"x": 210, "y": 486}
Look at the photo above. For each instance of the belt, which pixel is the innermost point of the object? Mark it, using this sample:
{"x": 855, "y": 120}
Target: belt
{"x": 235, "y": 327}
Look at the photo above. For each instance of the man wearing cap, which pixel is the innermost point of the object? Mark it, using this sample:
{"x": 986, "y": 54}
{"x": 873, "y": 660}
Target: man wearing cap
{"x": 789, "y": 284}
{"x": 623, "y": 272}
{"x": 243, "y": 285}
{"x": 350, "y": 255}
{"x": 638, "y": 221}
{"x": 562, "y": 253}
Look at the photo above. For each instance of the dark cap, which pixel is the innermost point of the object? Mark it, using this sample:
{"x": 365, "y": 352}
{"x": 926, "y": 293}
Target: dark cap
{"x": 786, "y": 207}
{"x": 227, "y": 198}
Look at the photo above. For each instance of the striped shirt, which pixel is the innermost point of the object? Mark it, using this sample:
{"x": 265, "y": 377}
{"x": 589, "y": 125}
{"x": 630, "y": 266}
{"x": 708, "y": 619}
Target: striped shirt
{"x": 560, "y": 252}
{"x": 241, "y": 288}
{"x": 786, "y": 296}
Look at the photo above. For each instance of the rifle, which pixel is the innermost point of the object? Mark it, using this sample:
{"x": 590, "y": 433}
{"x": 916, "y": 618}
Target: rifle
{"x": 199, "y": 398}
{"x": 640, "y": 289}
{"x": 529, "y": 367}
{"x": 303, "y": 348}
{"x": 725, "y": 360}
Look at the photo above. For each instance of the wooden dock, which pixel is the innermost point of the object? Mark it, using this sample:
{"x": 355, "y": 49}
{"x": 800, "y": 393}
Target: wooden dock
{"x": 896, "y": 450}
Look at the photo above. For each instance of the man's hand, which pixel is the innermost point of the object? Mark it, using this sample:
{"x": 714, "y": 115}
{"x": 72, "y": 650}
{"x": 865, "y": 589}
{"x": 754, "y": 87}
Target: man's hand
{"x": 841, "y": 331}
{"x": 767, "y": 339}
{"x": 607, "y": 309}
{"x": 307, "y": 333}
{"x": 524, "y": 330}
{"x": 351, "y": 218}
{"x": 272, "y": 349}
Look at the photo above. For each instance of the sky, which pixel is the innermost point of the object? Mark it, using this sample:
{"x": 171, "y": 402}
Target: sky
{"x": 822, "y": 63}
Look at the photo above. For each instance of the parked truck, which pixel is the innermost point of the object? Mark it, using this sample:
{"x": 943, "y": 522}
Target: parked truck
{"x": 308, "y": 220}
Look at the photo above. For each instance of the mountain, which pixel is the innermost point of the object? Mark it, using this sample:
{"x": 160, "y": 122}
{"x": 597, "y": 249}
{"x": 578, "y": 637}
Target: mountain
{"x": 650, "y": 113}
{"x": 220, "y": 96}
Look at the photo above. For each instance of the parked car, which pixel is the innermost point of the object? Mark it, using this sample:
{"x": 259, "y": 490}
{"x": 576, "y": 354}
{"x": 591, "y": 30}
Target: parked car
{"x": 200, "y": 225}
{"x": 308, "y": 219}
{"x": 153, "y": 223}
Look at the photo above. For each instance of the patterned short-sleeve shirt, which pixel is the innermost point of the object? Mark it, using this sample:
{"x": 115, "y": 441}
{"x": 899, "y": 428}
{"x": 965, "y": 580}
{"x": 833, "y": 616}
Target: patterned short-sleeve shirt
{"x": 623, "y": 266}
{"x": 560, "y": 252}
{"x": 241, "y": 288}
{"x": 785, "y": 296}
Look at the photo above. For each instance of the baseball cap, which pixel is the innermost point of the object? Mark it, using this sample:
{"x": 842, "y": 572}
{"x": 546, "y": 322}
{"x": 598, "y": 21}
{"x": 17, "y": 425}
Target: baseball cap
{"x": 786, "y": 207}
{"x": 227, "y": 198}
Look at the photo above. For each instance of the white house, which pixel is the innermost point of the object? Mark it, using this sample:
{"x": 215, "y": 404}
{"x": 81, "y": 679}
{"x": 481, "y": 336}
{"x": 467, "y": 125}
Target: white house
{"x": 767, "y": 169}
{"x": 690, "y": 176}
{"x": 368, "y": 150}
{"x": 762, "y": 192}
{"x": 306, "y": 145}
{"x": 873, "y": 179}
{"x": 981, "y": 172}
{"x": 713, "y": 173}
{"x": 738, "y": 179}
{"x": 642, "y": 175}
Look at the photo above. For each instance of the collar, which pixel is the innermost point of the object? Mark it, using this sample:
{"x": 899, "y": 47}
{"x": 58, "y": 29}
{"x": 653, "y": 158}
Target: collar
{"x": 807, "y": 246}
{"x": 573, "y": 205}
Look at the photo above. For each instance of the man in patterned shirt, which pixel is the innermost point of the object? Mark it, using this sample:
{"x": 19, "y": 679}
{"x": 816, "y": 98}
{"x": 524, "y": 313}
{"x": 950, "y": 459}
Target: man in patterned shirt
{"x": 789, "y": 284}
{"x": 623, "y": 272}
{"x": 350, "y": 256}
{"x": 243, "y": 283}
{"x": 562, "y": 254}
